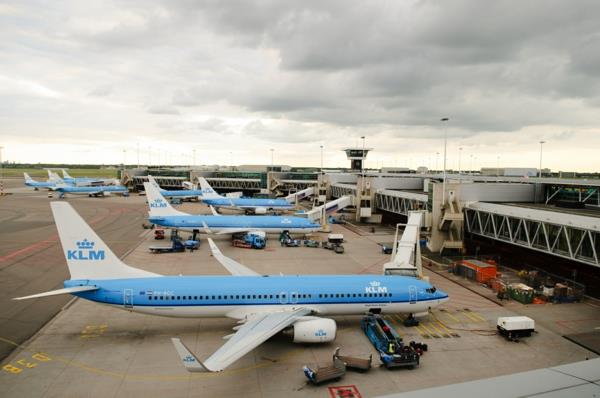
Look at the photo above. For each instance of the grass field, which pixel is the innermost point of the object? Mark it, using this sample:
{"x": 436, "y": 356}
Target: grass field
{"x": 42, "y": 174}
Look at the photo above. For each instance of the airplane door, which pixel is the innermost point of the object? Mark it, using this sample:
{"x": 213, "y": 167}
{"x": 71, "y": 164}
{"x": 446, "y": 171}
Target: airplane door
{"x": 283, "y": 298}
{"x": 412, "y": 294}
{"x": 128, "y": 298}
{"x": 294, "y": 298}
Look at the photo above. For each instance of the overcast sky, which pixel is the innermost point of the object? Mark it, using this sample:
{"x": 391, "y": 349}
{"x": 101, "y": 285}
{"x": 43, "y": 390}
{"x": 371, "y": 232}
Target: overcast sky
{"x": 84, "y": 81}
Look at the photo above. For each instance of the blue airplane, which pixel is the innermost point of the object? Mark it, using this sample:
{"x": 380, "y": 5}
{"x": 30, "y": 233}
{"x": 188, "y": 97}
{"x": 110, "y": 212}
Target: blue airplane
{"x": 30, "y": 182}
{"x": 249, "y": 205}
{"x": 263, "y": 305}
{"x": 86, "y": 180}
{"x": 182, "y": 193}
{"x": 90, "y": 190}
{"x": 161, "y": 213}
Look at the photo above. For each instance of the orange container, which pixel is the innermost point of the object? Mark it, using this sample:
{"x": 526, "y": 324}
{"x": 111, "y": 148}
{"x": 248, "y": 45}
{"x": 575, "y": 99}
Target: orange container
{"x": 484, "y": 271}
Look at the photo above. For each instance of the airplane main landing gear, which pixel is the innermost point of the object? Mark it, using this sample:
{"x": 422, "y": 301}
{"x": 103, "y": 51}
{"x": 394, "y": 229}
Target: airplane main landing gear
{"x": 411, "y": 321}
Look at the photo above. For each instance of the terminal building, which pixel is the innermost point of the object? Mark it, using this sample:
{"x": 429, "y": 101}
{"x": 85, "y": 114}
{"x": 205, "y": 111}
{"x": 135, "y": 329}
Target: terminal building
{"x": 545, "y": 222}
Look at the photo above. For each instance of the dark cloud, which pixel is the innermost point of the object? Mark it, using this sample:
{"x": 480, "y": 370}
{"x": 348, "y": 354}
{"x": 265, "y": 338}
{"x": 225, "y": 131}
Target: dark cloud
{"x": 297, "y": 71}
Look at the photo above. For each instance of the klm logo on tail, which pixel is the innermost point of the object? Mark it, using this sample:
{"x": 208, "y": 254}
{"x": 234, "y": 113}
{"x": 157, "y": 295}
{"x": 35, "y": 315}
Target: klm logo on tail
{"x": 158, "y": 203}
{"x": 85, "y": 251}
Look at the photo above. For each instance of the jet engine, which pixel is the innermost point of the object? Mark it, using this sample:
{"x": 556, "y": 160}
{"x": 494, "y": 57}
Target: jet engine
{"x": 314, "y": 330}
{"x": 260, "y": 210}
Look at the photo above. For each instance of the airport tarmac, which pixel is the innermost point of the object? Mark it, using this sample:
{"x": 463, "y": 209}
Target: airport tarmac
{"x": 92, "y": 350}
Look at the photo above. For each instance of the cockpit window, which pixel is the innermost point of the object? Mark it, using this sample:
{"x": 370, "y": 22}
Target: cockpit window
{"x": 431, "y": 290}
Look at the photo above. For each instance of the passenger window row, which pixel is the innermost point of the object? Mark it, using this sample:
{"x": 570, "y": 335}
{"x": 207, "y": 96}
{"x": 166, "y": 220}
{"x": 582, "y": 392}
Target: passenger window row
{"x": 268, "y": 296}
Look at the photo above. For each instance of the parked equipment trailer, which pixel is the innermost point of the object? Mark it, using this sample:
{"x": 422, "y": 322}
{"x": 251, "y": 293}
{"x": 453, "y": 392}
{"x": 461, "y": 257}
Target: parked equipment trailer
{"x": 326, "y": 373}
{"x": 513, "y": 327}
{"x": 353, "y": 363}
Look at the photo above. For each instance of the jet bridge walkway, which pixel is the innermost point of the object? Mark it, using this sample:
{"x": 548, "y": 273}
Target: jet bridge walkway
{"x": 572, "y": 236}
{"x": 400, "y": 202}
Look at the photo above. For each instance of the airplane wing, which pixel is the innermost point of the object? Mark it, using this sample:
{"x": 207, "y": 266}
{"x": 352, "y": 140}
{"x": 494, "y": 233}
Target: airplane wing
{"x": 214, "y": 212}
{"x": 232, "y": 266}
{"x": 249, "y": 336}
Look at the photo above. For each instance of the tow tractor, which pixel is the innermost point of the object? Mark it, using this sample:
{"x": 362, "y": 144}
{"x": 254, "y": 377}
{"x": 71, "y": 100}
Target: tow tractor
{"x": 286, "y": 240}
{"x": 393, "y": 353}
{"x": 250, "y": 240}
{"x": 334, "y": 242}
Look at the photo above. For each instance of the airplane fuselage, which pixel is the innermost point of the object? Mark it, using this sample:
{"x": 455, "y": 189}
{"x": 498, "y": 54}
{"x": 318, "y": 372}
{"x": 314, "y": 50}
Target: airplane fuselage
{"x": 92, "y": 190}
{"x": 183, "y": 193}
{"x": 236, "y": 223}
{"x": 250, "y": 203}
{"x": 220, "y": 296}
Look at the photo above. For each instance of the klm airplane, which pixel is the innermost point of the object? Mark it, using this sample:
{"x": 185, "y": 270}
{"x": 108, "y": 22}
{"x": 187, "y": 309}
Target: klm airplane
{"x": 86, "y": 180}
{"x": 161, "y": 213}
{"x": 30, "y": 182}
{"x": 250, "y": 205}
{"x": 263, "y": 305}
{"x": 182, "y": 193}
{"x": 91, "y": 190}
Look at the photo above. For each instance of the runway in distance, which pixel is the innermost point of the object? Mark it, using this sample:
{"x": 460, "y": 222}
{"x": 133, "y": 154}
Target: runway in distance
{"x": 163, "y": 214}
{"x": 263, "y": 305}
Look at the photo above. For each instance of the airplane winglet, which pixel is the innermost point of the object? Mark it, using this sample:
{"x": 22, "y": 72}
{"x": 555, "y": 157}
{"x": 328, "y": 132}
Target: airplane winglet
{"x": 189, "y": 360}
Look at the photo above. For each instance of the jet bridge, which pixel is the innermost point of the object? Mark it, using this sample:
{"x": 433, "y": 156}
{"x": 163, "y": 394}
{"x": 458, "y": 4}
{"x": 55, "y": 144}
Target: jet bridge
{"x": 564, "y": 234}
{"x": 406, "y": 254}
{"x": 320, "y": 212}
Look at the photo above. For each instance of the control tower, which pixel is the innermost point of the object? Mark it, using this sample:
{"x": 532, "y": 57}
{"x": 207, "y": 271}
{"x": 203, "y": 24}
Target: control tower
{"x": 357, "y": 157}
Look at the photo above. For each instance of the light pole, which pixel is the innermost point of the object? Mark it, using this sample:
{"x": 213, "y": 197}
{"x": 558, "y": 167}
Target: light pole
{"x": 138, "y": 155}
{"x": 272, "y": 151}
{"x": 194, "y": 157}
{"x": 231, "y": 160}
{"x": 444, "y": 119}
{"x": 321, "y": 146}
{"x": 459, "y": 153}
{"x": 471, "y": 167}
{"x": 149, "y": 156}
{"x": 362, "y": 163}
{"x": 437, "y": 161}
{"x": 541, "y": 150}
{"x": 498, "y": 166}
{"x": 1, "y": 173}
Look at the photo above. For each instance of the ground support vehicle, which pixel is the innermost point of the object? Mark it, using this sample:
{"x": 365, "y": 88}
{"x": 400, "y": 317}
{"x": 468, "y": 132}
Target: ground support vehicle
{"x": 392, "y": 351}
{"x": 249, "y": 241}
{"x": 176, "y": 246}
{"x": 326, "y": 373}
{"x": 514, "y": 327}
{"x": 286, "y": 240}
{"x": 334, "y": 242}
{"x": 311, "y": 243}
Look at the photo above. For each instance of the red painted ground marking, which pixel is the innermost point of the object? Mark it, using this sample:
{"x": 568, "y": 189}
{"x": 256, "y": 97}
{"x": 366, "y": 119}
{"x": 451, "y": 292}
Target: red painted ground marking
{"x": 48, "y": 241}
{"x": 344, "y": 392}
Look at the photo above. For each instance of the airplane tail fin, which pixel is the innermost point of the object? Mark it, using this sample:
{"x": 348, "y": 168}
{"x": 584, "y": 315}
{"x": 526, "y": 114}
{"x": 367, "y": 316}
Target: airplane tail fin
{"x": 88, "y": 257}
{"x": 27, "y": 177}
{"x": 207, "y": 191}
{"x": 158, "y": 206}
{"x": 153, "y": 182}
{"x": 65, "y": 174}
{"x": 53, "y": 177}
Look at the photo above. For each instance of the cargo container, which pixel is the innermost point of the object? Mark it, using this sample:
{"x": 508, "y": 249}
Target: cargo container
{"x": 521, "y": 293}
{"x": 475, "y": 270}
